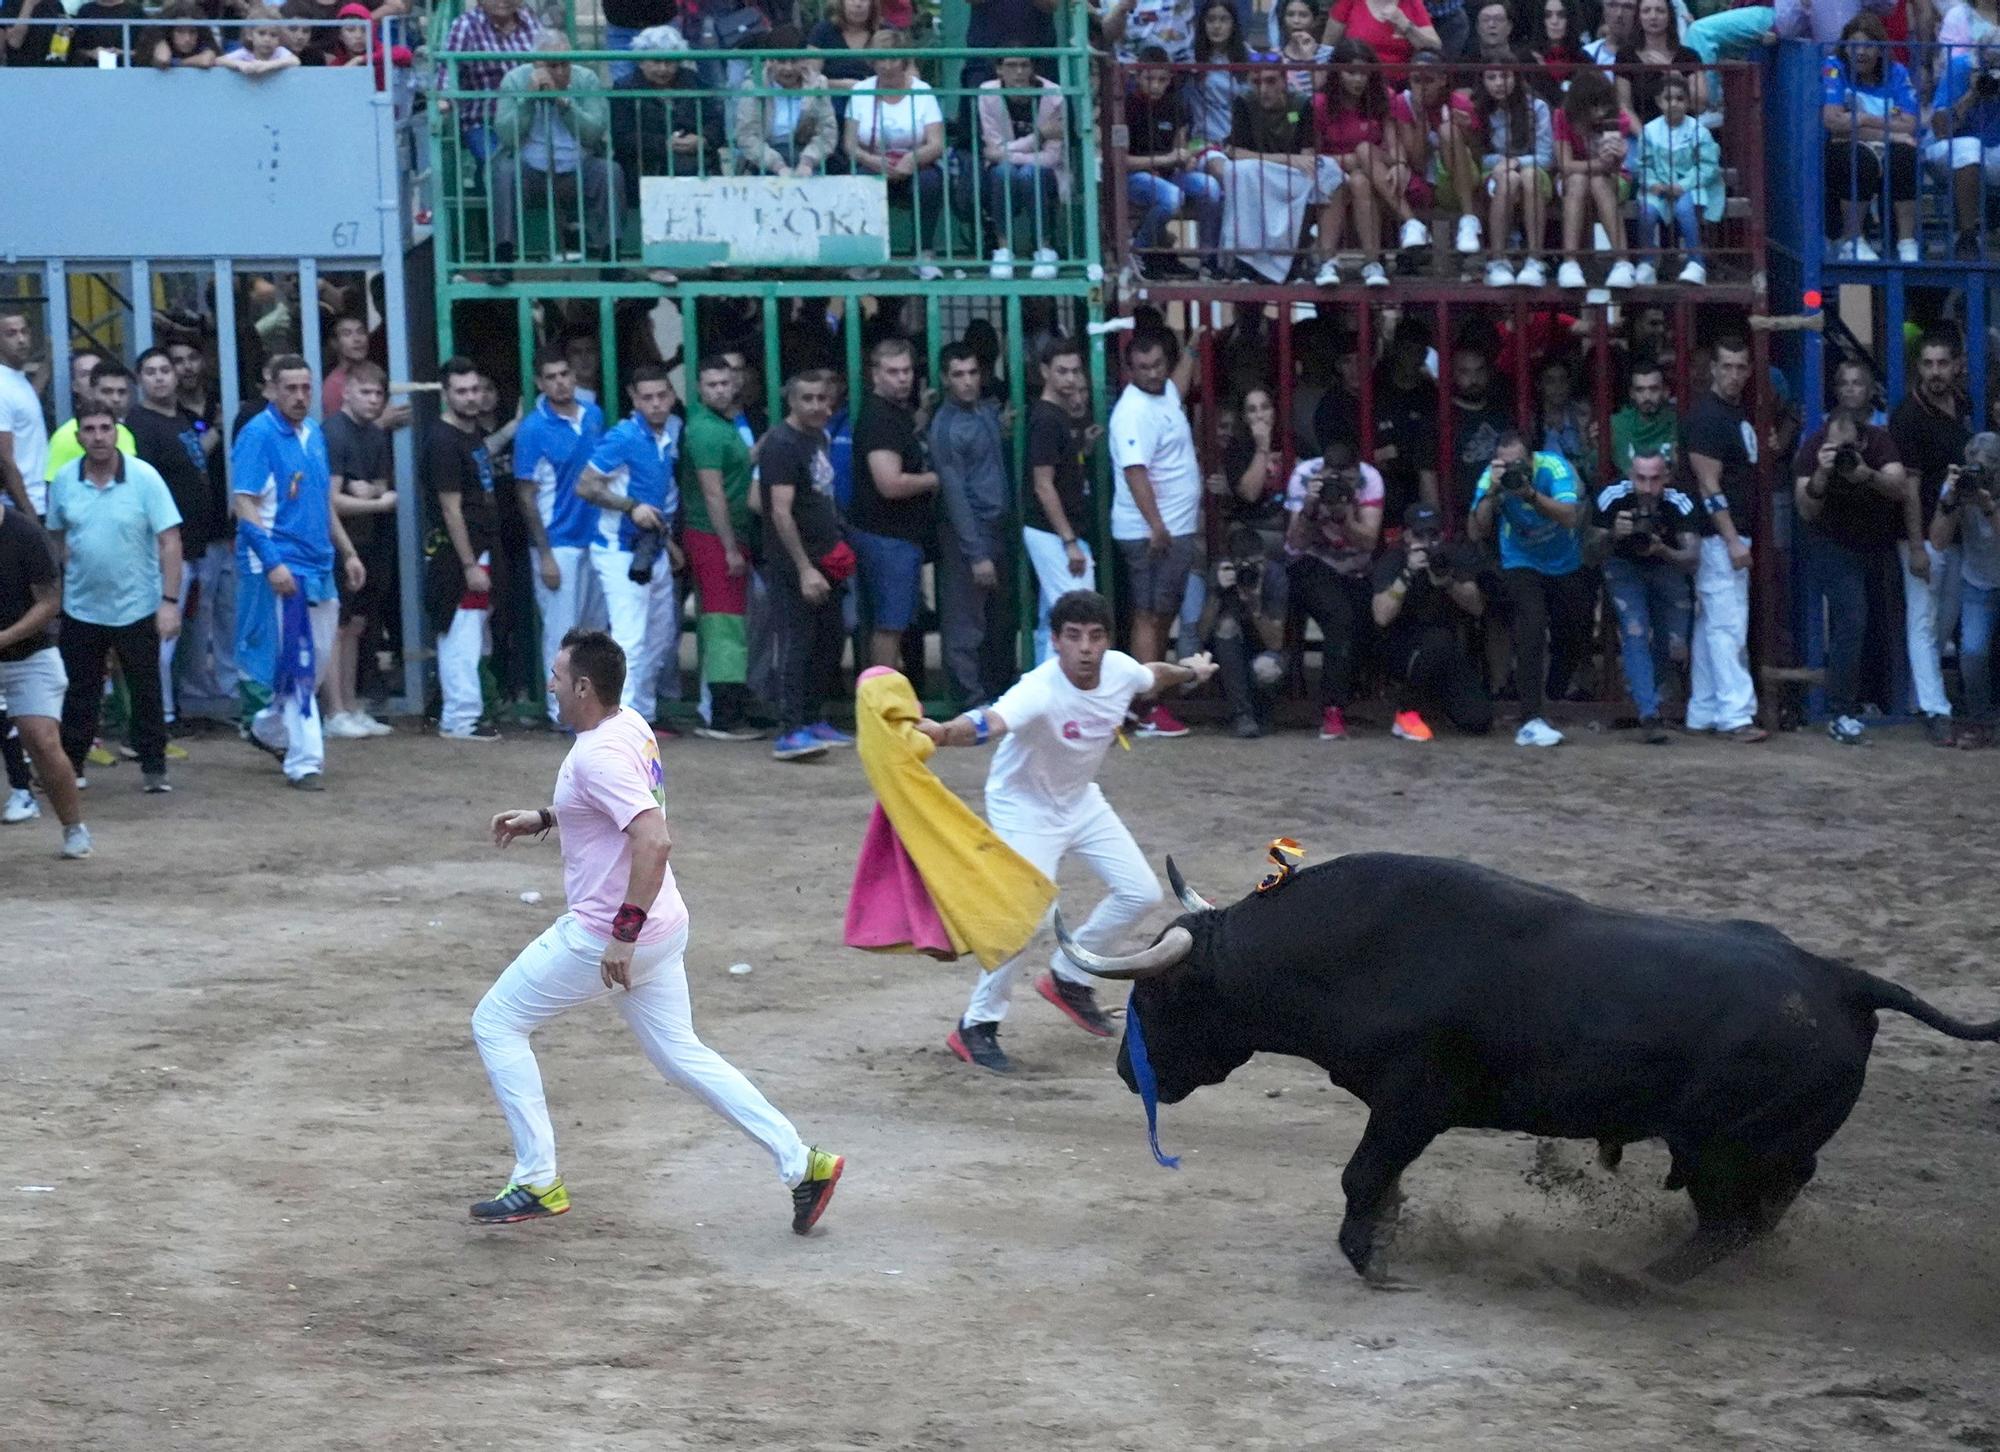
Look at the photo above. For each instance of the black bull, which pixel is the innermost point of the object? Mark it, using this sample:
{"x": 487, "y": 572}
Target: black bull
{"x": 1444, "y": 995}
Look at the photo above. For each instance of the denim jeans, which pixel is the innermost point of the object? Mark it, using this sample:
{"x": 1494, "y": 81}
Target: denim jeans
{"x": 1687, "y": 221}
{"x": 1018, "y": 193}
{"x": 1839, "y": 576}
{"x": 1978, "y": 609}
{"x": 1654, "y": 609}
{"x": 927, "y": 189}
{"x": 1157, "y": 200}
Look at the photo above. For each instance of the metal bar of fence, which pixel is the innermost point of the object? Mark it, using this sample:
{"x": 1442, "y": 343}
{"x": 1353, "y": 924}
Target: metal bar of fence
{"x": 309, "y": 338}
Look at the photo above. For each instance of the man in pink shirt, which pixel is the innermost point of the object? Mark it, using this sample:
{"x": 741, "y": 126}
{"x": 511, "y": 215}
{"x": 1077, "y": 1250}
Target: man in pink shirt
{"x": 625, "y": 932}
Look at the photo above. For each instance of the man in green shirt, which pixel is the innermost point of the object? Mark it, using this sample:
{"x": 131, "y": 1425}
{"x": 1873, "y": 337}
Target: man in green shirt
{"x": 715, "y": 508}
{"x": 1645, "y": 425}
{"x": 111, "y": 385}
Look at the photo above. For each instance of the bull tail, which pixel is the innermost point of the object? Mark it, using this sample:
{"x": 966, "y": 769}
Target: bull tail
{"x": 1880, "y": 993}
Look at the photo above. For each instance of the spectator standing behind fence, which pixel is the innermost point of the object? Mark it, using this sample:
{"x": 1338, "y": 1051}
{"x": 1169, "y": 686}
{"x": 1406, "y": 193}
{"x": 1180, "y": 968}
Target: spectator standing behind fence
{"x": 1161, "y": 182}
{"x": 1965, "y": 145}
{"x": 1393, "y": 30}
{"x": 1057, "y": 505}
{"x": 551, "y": 123}
{"x": 782, "y": 130}
{"x": 1680, "y": 178}
{"x": 1968, "y": 521}
{"x": 1024, "y": 142}
{"x": 975, "y": 580}
{"x": 1478, "y": 421}
{"x": 492, "y": 25}
{"x": 117, "y": 535}
{"x": 1647, "y": 422}
{"x": 551, "y": 449}
{"x": 631, "y": 478}
{"x": 715, "y": 495}
{"x": 1930, "y": 434}
{"x": 1855, "y": 502}
{"x": 1426, "y": 597}
{"x": 1650, "y": 534}
{"x": 1870, "y": 112}
{"x": 1721, "y": 443}
{"x": 462, "y": 539}
{"x": 892, "y": 523}
{"x": 93, "y": 379}
{"x": 676, "y": 129}
{"x": 262, "y": 51}
{"x": 168, "y": 438}
{"x": 1335, "y": 504}
{"x": 1520, "y": 152}
{"x": 24, "y": 433}
{"x": 208, "y": 646}
{"x": 364, "y": 496}
{"x": 807, "y": 565}
{"x": 184, "y": 41}
{"x": 1155, "y": 502}
{"x": 1435, "y": 126}
{"x": 895, "y": 130}
{"x": 104, "y": 30}
{"x": 1531, "y": 503}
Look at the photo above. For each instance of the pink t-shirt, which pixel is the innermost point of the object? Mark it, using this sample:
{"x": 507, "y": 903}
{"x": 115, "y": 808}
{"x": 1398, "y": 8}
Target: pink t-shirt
{"x": 610, "y": 776}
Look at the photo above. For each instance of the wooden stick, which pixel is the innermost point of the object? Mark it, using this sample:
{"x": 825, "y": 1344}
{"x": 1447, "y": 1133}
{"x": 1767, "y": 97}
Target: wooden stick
{"x": 1798, "y": 323}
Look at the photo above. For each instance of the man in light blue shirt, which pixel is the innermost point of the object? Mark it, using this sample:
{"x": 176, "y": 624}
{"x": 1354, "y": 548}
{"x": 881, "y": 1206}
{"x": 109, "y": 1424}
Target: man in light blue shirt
{"x": 1532, "y": 505}
{"x": 551, "y": 448}
{"x": 118, "y": 535}
{"x": 630, "y": 478}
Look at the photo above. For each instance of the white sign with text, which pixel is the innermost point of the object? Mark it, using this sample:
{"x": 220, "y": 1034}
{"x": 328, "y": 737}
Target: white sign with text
{"x": 742, "y": 221}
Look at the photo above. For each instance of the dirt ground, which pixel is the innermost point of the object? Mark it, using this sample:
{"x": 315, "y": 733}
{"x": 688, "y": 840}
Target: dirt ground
{"x": 237, "y": 1057}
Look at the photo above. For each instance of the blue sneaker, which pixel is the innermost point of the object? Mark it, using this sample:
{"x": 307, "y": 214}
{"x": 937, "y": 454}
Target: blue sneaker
{"x": 799, "y": 745}
{"x": 832, "y": 736}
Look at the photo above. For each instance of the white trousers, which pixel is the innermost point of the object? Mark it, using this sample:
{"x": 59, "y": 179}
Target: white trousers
{"x": 458, "y": 653}
{"x": 559, "y": 971}
{"x": 576, "y": 601}
{"x": 1106, "y": 847}
{"x": 1723, "y": 697}
{"x": 644, "y": 622}
{"x": 284, "y": 725}
{"x": 1053, "y": 579}
{"x": 167, "y": 647}
{"x": 1921, "y": 599}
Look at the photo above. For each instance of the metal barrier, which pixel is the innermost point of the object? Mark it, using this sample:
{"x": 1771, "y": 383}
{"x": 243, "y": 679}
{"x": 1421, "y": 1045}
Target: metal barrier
{"x": 1274, "y": 214}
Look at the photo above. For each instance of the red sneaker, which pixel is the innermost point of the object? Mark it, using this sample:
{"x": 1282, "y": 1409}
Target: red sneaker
{"x": 1332, "y": 724}
{"x": 1410, "y": 727}
{"x": 1162, "y": 722}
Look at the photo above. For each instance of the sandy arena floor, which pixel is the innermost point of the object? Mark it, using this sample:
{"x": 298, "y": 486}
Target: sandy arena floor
{"x": 237, "y": 1056}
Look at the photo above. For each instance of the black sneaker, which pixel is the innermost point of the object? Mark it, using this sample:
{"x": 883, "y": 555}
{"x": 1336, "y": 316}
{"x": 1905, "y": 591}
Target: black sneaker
{"x": 814, "y": 1193}
{"x": 244, "y": 733}
{"x": 1655, "y": 730}
{"x": 523, "y": 1202}
{"x": 979, "y": 1043}
{"x": 1077, "y": 1001}
{"x": 1937, "y": 731}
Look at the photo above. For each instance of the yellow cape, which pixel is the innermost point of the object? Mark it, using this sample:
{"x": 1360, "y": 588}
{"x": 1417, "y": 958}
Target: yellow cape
{"x": 990, "y": 898}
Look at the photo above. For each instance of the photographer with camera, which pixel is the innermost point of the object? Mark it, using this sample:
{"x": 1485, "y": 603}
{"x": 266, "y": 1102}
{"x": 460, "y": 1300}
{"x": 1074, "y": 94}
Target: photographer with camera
{"x": 1532, "y": 505}
{"x": 1335, "y": 504}
{"x": 631, "y": 479}
{"x": 1244, "y": 641}
{"x": 1968, "y": 516}
{"x": 1856, "y": 503}
{"x": 1425, "y": 596}
{"x": 1651, "y": 535}
{"x": 1965, "y": 127}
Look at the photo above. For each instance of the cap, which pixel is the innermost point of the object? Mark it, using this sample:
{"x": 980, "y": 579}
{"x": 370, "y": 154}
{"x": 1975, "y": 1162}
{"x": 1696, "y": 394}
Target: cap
{"x": 1422, "y": 519}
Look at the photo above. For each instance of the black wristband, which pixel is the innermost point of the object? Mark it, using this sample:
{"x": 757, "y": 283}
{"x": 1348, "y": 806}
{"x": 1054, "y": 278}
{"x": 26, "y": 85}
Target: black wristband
{"x": 548, "y": 818}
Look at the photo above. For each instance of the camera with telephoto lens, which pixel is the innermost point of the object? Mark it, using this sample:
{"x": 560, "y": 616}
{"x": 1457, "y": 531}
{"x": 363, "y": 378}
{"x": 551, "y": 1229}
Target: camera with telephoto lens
{"x": 1337, "y": 487}
{"x": 1517, "y": 476}
{"x": 1846, "y": 461}
{"x": 1977, "y": 479}
{"x": 646, "y": 550}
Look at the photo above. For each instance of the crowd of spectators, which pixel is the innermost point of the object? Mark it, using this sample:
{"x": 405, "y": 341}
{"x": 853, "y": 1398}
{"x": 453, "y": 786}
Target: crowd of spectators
{"x": 253, "y": 39}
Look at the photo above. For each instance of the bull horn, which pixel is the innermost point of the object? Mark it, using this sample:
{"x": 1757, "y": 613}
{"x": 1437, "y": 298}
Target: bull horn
{"x": 1193, "y": 901}
{"x": 1150, "y": 963}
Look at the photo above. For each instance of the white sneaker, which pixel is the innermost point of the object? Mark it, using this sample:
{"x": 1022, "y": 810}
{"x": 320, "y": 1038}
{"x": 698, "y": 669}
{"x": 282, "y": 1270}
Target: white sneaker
{"x": 1694, "y": 273}
{"x": 1499, "y": 274}
{"x": 1859, "y": 249}
{"x": 1906, "y": 250}
{"x": 1646, "y": 275}
{"x": 1570, "y": 275}
{"x": 1621, "y": 275}
{"x": 1468, "y": 234}
{"x": 927, "y": 270}
{"x": 1328, "y": 274}
{"x": 1416, "y": 234}
{"x": 1532, "y": 274}
{"x": 76, "y": 842}
{"x": 21, "y": 807}
{"x": 343, "y": 727}
{"x": 1538, "y": 733}
{"x": 1045, "y": 264}
{"x": 370, "y": 725}
{"x": 1373, "y": 276}
{"x": 1002, "y": 269}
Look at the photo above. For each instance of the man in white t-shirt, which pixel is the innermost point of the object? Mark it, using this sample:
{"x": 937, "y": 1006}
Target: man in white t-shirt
{"x": 1155, "y": 503}
{"x": 625, "y": 932}
{"x": 24, "y": 434}
{"x": 1054, "y": 726}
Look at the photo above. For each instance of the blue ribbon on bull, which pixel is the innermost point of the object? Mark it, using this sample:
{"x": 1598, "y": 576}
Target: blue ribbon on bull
{"x": 295, "y": 654}
{"x": 1142, "y": 1074}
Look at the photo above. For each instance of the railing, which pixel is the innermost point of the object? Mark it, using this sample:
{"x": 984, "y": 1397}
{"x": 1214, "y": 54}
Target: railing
{"x": 1277, "y": 217}
{"x": 164, "y": 43}
{"x": 559, "y": 179}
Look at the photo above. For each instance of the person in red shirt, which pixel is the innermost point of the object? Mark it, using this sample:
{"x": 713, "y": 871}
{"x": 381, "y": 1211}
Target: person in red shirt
{"x": 1438, "y": 135}
{"x": 1395, "y": 29}
{"x": 1351, "y": 124}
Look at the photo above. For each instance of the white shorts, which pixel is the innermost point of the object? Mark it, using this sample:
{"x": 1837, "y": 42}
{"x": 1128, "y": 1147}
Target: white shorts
{"x": 35, "y": 686}
{"x": 1961, "y": 151}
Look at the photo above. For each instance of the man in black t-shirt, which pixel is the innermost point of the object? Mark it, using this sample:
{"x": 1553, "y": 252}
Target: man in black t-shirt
{"x": 358, "y": 453}
{"x": 1057, "y": 514}
{"x": 1855, "y": 502}
{"x": 459, "y": 545}
{"x": 1477, "y": 422}
{"x": 1652, "y": 537}
{"x": 893, "y": 521}
{"x": 1161, "y": 183}
{"x": 169, "y": 438}
{"x": 1928, "y": 429}
{"x": 1721, "y": 443}
{"x": 1424, "y": 594}
{"x": 806, "y": 565}
{"x": 31, "y": 669}
{"x": 1406, "y": 406}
